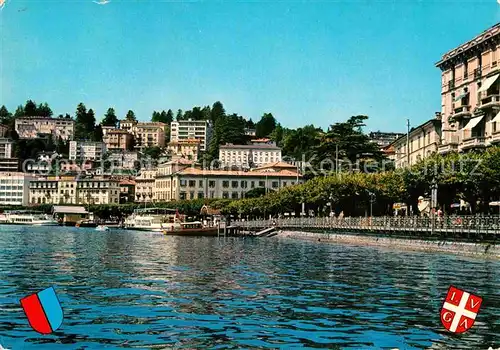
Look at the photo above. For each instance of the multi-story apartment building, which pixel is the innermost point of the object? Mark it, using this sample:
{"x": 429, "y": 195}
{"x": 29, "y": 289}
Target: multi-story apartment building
{"x": 145, "y": 134}
{"x": 6, "y": 148}
{"x": 33, "y": 127}
{"x": 149, "y": 135}
{"x": 248, "y": 156}
{"x": 127, "y": 191}
{"x": 187, "y": 148}
{"x": 470, "y": 93}
{"x": 424, "y": 140}
{"x": 191, "y": 182}
{"x": 14, "y": 188}
{"x": 69, "y": 190}
{"x": 192, "y": 129}
{"x": 145, "y": 186}
{"x": 118, "y": 140}
{"x": 86, "y": 150}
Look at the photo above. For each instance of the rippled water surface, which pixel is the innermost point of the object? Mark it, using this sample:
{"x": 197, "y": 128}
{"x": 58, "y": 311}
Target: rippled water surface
{"x": 124, "y": 289}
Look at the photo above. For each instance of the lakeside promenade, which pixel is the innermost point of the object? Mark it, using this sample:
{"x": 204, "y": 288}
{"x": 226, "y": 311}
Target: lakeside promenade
{"x": 483, "y": 228}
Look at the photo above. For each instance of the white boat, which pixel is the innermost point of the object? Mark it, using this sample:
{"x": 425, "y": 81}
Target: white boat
{"x": 27, "y": 217}
{"x": 102, "y": 228}
{"x": 153, "y": 219}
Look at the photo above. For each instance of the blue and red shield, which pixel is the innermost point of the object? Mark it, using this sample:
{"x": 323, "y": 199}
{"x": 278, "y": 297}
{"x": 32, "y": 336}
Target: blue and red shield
{"x": 43, "y": 310}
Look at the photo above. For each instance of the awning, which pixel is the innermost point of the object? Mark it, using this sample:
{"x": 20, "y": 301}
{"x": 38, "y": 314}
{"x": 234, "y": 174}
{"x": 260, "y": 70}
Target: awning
{"x": 472, "y": 123}
{"x": 487, "y": 83}
{"x": 66, "y": 209}
{"x": 459, "y": 97}
{"x": 496, "y": 119}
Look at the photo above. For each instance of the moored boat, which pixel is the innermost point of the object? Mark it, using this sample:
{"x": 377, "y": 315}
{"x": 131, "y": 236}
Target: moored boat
{"x": 27, "y": 217}
{"x": 102, "y": 228}
{"x": 153, "y": 219}
{"x": 86, "y": 223}
{"x": 193, "y": 228}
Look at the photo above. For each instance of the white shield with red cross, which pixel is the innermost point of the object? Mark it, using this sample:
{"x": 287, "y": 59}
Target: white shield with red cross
{"x": 460, "y": 309}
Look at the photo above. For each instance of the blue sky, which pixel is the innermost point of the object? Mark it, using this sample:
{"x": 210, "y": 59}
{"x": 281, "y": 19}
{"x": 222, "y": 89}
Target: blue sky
{"x": 306, "y": 62}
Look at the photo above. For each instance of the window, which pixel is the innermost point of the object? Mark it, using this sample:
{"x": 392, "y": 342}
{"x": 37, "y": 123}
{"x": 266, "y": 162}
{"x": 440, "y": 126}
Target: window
{"x": 466, "y": 69}
{"x": 252, "y": 184}
{"x": 234, "y": 195}
{"x": 201, "y": 195}
{"x": 275, "y": 184}
{"x": 243, "y": 184}
{"x": 211, "y": 183}
{"x": 200, "y": 183}
{"x": 212, "y": 194}
{"x": 183, "y": 183}
{"x": 225, "y": 195}
{"x": 225, "y": 184}
{"x": 234, "y": 184}
{"x": 182, "y": 195}
{"x": 262, "y": 184}
{"x": 191, "y": 195}
{"x": 284, "y": 183}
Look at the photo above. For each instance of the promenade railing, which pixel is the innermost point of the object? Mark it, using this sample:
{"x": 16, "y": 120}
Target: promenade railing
{"x": 446, "y": 224}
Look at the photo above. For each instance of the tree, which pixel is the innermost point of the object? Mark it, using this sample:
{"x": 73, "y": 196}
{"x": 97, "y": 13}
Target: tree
{"x": 265, "y": 126}
{"x": 84, "y": 122}
{"x": 30, "y": 109}
{"x": 43, "y": 110}
{"x": 131, "y": 116}
{"x": 5, "y": 115}
{"x": 153, "y": 152}
{"x": 250, "y": 124}
{"x": 277, "y": 134}
{"x": 217, "y": 112}
{"x": 179, "y": 115}
{"x": 163, "y": 117}
{"x": 110, "y": 118}
{"x": 19, "y": 112}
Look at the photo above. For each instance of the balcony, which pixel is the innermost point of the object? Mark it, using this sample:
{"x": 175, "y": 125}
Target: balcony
{"x": 461, "y": 112}
{"x": 448, "y": 146}
{"x": 472, "y": 142}
{"x": 495, "y": 138}
{"x": 477, "y": 73}
{"x": 490, "y": 101}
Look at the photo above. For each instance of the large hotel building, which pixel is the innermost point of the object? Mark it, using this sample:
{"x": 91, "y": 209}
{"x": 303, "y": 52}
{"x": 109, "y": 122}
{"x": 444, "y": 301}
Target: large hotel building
{"x": 470, "y": 96}
{"x": 470, "y": 103}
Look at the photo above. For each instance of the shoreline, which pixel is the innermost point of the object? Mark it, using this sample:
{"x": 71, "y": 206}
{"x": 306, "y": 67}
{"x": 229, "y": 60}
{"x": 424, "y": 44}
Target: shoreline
{"x": 453, "y": 247}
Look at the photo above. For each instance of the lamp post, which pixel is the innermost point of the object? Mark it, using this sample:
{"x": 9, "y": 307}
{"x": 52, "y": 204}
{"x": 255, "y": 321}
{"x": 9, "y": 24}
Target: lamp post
{"x": 434, "y": 188}
{"x": 372, "y": 200}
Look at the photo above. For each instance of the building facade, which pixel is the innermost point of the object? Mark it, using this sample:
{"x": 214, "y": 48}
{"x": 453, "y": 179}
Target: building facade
{"x": 69, "y": 190}
{"x": 384, "y": 139}
{"x": 470, "y": 93}
{"x": 192, "y": 129}
{"x": 188, "y": 149}
{"x": 86, "y": 150}
{"x": 34, "y": 127}
{"x": 248, "y": 156}
{"x": 149, "y": 135}
{"x": 118, "y": 140}
{"x": 194, "y": 183}
{"x": 14, "y": 188}
{"x": 424, "y": 140}
{"x": 145, "y": 186}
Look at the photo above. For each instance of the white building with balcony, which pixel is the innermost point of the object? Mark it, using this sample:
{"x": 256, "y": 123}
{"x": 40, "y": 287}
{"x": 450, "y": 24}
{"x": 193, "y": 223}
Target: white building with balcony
{"x": 248, "y": 156}
{"x": 86, "y": 150}
{"x": 192, "y": 129}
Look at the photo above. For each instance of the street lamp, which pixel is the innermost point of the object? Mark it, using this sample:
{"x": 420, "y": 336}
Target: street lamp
{"x": 434, "y": 188}
{"x": 372, "y": 200}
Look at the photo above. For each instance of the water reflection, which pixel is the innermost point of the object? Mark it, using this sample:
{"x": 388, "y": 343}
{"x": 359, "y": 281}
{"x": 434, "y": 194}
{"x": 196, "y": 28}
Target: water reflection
{"x": 127, "y": 289}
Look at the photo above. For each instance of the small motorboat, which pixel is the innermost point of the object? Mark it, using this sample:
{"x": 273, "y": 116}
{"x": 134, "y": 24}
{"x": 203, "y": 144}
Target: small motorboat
{"x": 102, "y": 228}
{"x": 86, "y": 223}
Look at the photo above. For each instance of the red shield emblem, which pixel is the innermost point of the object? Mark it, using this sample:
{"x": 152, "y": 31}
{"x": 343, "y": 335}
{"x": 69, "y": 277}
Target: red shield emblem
{"x": 460, "y": 309}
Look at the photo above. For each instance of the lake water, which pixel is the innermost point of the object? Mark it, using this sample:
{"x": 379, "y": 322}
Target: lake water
{"x": 123, "y": 289}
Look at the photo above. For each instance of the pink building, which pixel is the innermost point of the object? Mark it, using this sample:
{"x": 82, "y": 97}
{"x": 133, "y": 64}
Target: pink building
{"x": 470, "y": 93}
